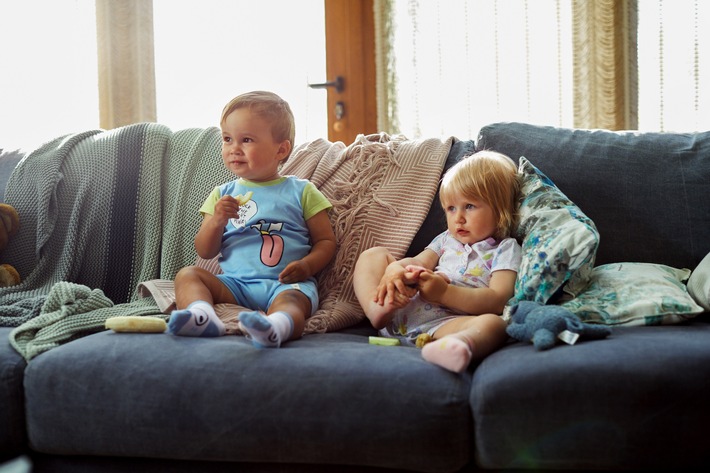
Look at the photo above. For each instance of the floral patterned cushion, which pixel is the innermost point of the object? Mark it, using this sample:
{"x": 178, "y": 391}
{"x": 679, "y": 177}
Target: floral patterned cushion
{"x": 559, "y": 241}
{"x": 635, "y": 294}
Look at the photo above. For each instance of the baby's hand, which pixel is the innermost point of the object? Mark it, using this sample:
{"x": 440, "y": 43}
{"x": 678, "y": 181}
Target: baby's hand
{"x": 432, "y": 286}
{"x": 295, "y": 271}
{"x": 414, "y": 271}
{"x": 393, "y": 287}
{"x": 226, "y": 207}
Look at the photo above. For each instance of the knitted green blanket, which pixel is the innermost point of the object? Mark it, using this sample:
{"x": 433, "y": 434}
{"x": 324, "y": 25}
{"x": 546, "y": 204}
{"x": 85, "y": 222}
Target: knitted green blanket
{"x": 101, "y": 211}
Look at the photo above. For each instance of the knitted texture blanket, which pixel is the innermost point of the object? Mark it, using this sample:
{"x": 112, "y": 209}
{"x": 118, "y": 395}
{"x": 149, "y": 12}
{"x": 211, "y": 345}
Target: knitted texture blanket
{"x": 102, "y": 210}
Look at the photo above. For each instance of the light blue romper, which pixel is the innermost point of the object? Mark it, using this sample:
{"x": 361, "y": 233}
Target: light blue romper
{"x": 270, "y": 232}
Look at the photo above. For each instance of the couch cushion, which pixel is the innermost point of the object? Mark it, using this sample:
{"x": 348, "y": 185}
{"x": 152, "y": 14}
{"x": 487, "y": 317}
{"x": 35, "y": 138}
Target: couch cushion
{"x": 647, "y": 193}
{"x": 12, "y": 411}
{"x": 635, "y": 294}
{"x": 327, "y": 398}
{"x": 559, "y": 242}
{"x": 637, "y": 399}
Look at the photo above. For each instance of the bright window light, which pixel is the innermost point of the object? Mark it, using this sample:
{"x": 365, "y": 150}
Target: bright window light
{"x": 49, "y": 79}
{"x": 208, "y": 52}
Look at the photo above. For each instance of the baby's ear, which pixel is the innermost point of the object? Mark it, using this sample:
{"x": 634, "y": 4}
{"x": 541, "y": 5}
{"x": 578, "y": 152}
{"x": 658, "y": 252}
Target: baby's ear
{"x": 285, "y": 149}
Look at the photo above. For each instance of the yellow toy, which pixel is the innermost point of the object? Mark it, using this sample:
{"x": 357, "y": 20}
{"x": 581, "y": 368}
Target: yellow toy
{"x": 9, "y": 225}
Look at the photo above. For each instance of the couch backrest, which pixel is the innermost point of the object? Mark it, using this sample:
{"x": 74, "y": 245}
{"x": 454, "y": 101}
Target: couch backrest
{"x": 647, "y": 193}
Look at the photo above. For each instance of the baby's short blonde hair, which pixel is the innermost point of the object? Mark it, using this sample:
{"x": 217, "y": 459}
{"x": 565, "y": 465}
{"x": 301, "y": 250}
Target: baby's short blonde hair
{"x": 271, "y": 108}
{"x": 488, "y": 176}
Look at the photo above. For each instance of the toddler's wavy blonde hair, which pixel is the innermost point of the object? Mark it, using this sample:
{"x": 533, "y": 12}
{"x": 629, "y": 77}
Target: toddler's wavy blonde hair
{"x": 488, "y": 176}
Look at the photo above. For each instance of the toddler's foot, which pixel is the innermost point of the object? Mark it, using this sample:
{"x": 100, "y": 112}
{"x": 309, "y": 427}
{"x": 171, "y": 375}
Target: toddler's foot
{"x": 449, "y": 352}
{"x": 266, "y": 331}
{"x": 198, "y": 320}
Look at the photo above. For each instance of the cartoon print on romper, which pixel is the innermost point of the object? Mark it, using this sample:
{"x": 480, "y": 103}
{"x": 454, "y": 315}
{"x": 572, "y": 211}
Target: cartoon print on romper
{"x": 272, "y": 245}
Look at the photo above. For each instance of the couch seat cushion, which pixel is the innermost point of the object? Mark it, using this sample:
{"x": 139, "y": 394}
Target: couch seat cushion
{"x": 637, "y": 399}
{"x": 327, "y": 399}
{"x": 12, "y": 411}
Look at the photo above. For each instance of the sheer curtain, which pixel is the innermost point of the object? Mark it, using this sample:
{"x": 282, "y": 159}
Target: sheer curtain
{"x": 450, "y": 67}
{"x": 674, "y": 65}
{"x": 459, "y": 64}
{"x": 126, "y": 62}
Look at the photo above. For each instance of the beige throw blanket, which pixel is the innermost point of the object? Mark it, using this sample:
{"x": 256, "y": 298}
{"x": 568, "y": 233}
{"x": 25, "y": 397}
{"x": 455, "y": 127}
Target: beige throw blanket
{"x": 381, "y": 188}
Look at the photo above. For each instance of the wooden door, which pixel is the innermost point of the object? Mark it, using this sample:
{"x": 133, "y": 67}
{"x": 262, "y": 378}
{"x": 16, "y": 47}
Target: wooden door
{"x": 350, "y": 55}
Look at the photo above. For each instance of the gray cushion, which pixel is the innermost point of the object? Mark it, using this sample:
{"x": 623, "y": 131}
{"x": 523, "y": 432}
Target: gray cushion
{"x": 647, "y": 193}
{"x": 327, "y": 398}
{"x": 637, "y": 399}
{"x": 12, "y": 417}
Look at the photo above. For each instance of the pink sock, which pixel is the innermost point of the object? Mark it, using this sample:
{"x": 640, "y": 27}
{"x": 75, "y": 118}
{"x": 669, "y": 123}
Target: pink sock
{"x": 449, "y": 352}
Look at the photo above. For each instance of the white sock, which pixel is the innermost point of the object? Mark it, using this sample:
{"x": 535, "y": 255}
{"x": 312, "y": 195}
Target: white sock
{"x": 266, "y": 331}
{"x": 448, "y": 352}
{"x": 198, "y": 320}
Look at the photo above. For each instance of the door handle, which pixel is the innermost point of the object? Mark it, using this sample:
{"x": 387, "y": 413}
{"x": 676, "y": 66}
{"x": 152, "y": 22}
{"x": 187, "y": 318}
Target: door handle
{"x": 338, "y": 83}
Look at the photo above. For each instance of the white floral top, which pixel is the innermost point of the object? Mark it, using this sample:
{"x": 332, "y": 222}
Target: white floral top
{"x": 473, "y": 265}
{"x": 465, "y": 265}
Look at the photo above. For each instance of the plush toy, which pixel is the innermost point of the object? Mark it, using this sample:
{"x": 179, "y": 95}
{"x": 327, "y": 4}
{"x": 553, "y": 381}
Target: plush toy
{"x": 543, "y": 324}
{"x": 9, "y": 224}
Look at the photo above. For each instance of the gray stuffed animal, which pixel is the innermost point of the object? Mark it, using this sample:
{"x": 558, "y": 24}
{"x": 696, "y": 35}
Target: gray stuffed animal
{"x": 541, "y": 324}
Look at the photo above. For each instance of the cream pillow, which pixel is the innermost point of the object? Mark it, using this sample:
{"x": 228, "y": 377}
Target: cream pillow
{"x": 699, "y": 283}
{"x": 635, "y": 294}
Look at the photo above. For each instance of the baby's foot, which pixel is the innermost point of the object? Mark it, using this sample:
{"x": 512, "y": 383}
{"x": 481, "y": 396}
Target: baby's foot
{"x": 266, "y": 331}
{"x": 376, "y": 311}
{"x": 449, "y": 352}
{"x": 198, "y": 320}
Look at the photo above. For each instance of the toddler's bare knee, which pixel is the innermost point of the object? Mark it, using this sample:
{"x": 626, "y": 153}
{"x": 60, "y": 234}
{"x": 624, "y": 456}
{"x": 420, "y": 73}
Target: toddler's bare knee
{"x": 375, "y": 252}
{"x": 187, "y": 273}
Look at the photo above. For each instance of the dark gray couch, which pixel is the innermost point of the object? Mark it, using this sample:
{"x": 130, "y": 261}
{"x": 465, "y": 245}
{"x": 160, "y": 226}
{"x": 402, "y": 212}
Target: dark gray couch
{"x": 332, "y": 402}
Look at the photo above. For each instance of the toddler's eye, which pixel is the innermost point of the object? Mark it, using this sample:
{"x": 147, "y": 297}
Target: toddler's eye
{"x": 470, "y": 206}
{"x": 226, "y": 139}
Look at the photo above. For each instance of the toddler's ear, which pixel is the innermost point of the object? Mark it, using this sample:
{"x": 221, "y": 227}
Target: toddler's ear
{"x": 284, "y": 149}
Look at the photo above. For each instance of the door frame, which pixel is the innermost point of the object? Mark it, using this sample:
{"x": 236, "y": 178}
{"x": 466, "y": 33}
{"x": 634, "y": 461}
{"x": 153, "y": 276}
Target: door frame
{"x": 350, "y": 54}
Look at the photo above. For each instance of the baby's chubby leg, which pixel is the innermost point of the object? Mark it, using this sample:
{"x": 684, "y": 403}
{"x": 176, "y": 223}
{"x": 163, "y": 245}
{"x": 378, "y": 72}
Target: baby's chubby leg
{"x": 465, "y": 339}
{"x": 196, "y": 290}
{"x": 369, "y": 269}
